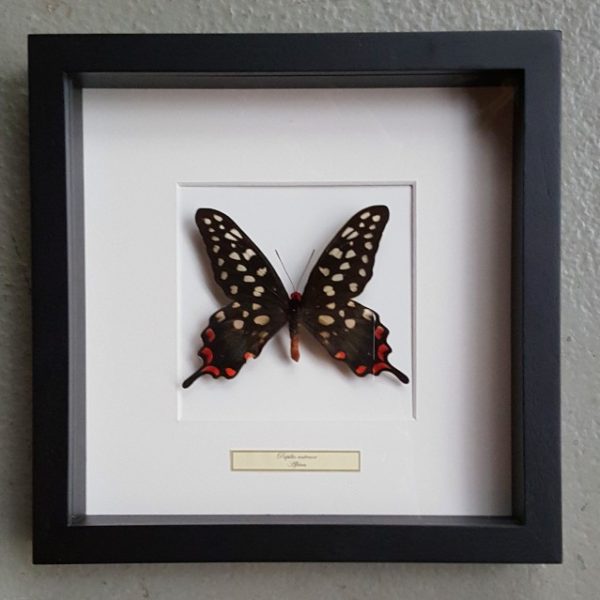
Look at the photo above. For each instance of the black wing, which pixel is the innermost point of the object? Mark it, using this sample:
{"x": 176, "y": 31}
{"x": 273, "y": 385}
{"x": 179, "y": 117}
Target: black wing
{"x": 354, "y": 334}
{"x": 346, "y": 265}
{"x": 238, "y": 331}
{"x": 239, "y": 267}
{"x": 349, "y": 331}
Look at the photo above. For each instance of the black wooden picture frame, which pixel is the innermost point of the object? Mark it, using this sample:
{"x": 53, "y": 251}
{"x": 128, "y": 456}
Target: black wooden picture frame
{"x": 60, "y": 66}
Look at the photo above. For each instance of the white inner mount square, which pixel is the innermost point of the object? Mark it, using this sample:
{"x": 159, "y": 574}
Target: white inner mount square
{"x": 295, "y": 220}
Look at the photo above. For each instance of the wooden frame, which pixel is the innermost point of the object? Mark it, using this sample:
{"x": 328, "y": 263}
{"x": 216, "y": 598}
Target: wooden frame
{"x": 61, "y": 65}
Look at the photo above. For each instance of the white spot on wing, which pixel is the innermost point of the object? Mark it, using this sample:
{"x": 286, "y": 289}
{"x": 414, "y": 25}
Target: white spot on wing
{"x": 261, "y": 272}
{"x": 324, "y": 270}
{"x": 335, "y": 252}
{"x": 233, "y": 289}
{"x": 365, "y": 215}
{"x": 238, "y": 324}
{"x": 337, "y": 277}
{"x": 220, "y": 316}
{"x": 345, "y": 266}
{"x": 329, "y": 291}
{"x": 248, "y": 254}
{"x": 235, "y": 256}
{"x": 218, "y": 217}
{"x": 261, "y": 319}
{"x": 350, "y": 323}
{"x": 353, "y": 287}
{"x": 325, "y": 320}
{"x": 249, "y": 279}
{"x": 350, "y": 254}
{"x": 241, "y": 268}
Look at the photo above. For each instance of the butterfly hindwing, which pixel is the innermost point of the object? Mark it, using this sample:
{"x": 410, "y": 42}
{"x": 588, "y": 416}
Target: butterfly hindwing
{"x": 240, "y": 269}
{"x": 346, "y": 264}
{"x": 236, "y": 333}
{"x": 353, "y": 334}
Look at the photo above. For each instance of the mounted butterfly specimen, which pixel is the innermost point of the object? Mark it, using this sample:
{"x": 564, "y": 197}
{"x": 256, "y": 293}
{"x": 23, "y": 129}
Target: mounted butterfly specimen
{"x": 260, "y": 305}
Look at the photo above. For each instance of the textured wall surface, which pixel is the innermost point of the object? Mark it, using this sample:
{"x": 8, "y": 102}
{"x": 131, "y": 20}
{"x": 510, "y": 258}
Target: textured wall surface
{"x": 578, "y": 577}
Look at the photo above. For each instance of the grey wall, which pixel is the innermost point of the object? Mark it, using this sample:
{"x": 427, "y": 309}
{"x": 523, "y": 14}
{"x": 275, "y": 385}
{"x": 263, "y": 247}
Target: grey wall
{"x": 579, "y": 577}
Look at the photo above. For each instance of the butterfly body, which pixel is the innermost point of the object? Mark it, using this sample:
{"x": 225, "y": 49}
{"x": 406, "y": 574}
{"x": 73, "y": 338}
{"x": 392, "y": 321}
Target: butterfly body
{"x": 350, "y": 332}
{"x": 294, "y": 308}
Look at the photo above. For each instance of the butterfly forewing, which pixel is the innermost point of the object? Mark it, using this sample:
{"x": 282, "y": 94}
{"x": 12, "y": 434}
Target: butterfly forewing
{"x": 236, "y": 333}
{"x": 239, "y": 267}
{"x": 346, "y": 265}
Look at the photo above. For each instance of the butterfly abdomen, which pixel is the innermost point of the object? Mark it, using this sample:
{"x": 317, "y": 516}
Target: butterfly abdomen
{"x": 293, "y": 310}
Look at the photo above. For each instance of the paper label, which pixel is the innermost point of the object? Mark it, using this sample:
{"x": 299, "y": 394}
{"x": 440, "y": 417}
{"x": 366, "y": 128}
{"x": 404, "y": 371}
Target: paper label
{"x": 295, "y": 460}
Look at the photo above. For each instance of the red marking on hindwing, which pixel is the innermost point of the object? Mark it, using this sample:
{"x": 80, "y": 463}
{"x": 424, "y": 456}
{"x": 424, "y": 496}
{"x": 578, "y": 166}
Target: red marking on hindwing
{"x": 382, "y": 351}
{"x": 379, "y": 331}
{"x": 340, "y": 355}
{"x": 209, "y": 334}
{"x": 378, "y": 367}
{"x": 207, "y": 355}
{"x": 230, "y": 372}
{"x": 360, "y": 370}
{"x": 212, "y": 370}
{"x": 248, "y": 355}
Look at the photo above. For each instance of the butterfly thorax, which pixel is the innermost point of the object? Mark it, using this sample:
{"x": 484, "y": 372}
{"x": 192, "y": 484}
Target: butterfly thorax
{"x": 293, "y": 310}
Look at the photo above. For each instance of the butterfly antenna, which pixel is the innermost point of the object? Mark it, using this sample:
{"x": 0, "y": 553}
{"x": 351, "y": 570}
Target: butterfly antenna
{"x": 307, "y": 265}
{"x": 285, "y": 270}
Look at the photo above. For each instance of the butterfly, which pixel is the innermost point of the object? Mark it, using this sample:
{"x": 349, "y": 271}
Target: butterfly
{"x": 260, "y": 306}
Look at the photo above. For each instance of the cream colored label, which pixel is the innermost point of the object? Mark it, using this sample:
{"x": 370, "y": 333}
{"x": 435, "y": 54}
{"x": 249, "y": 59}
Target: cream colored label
{"x": 295, "y": 460}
